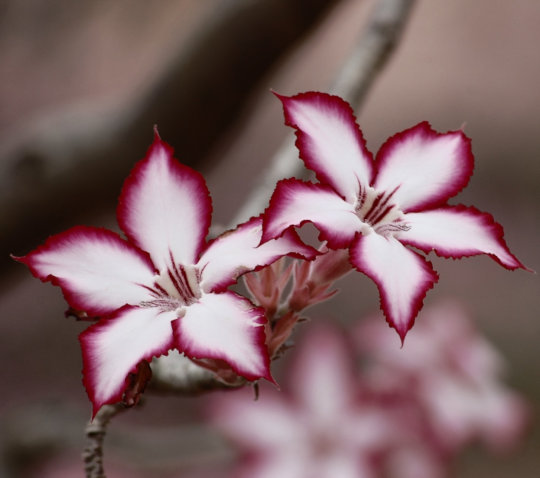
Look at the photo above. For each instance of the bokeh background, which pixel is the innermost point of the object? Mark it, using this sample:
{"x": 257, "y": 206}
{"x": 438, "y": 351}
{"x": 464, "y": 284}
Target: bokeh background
{"x": 82, "y": 85}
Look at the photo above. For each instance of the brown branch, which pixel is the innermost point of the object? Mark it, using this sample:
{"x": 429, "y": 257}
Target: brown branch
{"x": 379, "y": 40}
{"x": 76, "y": 160}
{"x": 95, "y": 434}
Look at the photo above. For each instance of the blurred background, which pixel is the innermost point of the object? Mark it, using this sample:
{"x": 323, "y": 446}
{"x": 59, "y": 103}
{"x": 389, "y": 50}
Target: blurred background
{"x": 82, "y": 85}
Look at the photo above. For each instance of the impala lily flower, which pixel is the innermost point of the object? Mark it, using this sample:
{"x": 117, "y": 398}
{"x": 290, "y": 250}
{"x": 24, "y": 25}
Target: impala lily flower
{"x": 320, "y": 426}
{"x": 376, "y": 207}
{"x": 164, "y": 287}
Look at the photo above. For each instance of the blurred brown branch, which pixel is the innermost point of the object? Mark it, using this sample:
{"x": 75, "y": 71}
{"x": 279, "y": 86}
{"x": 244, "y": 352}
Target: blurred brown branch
{"x": 376, "y": 43}
{"x": 76, "y": 160}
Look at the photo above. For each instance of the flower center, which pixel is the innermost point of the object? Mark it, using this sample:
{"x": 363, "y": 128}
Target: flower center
{"x": 175, "y": 288}
{"x": 379, "y": 213}
{"x": 323, "y": 443}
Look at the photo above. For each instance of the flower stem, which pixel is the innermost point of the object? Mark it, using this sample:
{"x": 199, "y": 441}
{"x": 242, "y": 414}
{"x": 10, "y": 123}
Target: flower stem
{"x": 95, "y": 433}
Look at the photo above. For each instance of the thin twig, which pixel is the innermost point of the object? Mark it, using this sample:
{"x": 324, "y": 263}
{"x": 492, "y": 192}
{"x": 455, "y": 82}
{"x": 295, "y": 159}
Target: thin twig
{"x": 370, "y": 54}
{"x": 95, "y": 434}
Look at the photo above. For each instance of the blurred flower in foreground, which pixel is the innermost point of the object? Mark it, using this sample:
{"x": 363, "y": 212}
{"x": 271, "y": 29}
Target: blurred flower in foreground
{"x": 319, "y": 426}
{"x": 406, "y": 413}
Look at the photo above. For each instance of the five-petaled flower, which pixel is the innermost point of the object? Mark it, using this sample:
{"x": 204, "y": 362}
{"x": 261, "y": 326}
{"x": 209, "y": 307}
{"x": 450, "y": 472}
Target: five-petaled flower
{"x": 164, "y": 287}
{"x": 322, "y": 425}
{"x": 377, "y": 206}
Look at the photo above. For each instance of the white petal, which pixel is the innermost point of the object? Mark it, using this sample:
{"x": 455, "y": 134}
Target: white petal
{"x": 97, "y": 270}
{"x": 238, "y": 251}
{"x": 402, "y": 276}
{"x": 227, "y": 327}
{"x": 456, "y": 232}
{"x": 330, "y": 141}
{"x": 295, "y": 202}
{"x": 165, "y": 208}
{"x": 426, "y": 167}
{"x": 113, "y": 347}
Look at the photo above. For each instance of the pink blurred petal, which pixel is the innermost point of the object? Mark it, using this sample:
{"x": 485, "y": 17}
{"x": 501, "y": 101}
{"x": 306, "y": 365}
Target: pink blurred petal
{"x": 452, "y": 375}
{"x": 322, "y": 378}
{"x": 264, "y": 423}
